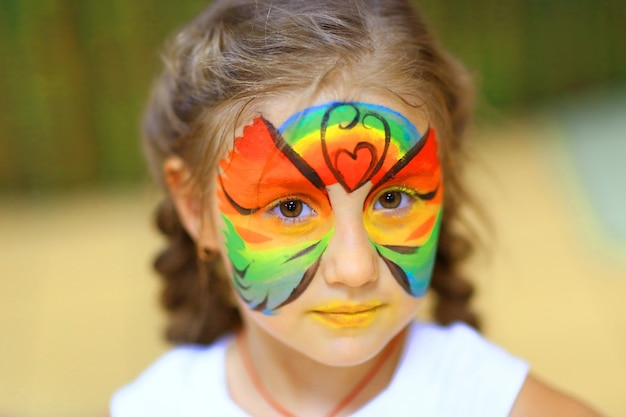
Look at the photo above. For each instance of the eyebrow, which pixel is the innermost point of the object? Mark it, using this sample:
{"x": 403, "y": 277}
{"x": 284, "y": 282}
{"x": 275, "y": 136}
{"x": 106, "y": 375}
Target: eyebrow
{"x": 305, "y": 169}
{"x": 240, "y": 209}
{"x": 407, "y": 158}
{"x": 269, "y": 189}
{"x": 268, "y": 186}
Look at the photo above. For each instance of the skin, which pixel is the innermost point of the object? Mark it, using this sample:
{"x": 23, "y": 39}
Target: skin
{"x": 290, "y": 345}
{"x": 538, "y": 399}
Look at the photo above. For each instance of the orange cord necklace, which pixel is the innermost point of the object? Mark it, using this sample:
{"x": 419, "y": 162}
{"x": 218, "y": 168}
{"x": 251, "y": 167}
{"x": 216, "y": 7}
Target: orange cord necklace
{"x": 256, "y": 380}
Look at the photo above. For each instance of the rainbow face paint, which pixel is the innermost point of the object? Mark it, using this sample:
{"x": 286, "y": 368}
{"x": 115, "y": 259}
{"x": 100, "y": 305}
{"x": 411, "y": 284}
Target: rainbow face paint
{"x": 276, "y": 211}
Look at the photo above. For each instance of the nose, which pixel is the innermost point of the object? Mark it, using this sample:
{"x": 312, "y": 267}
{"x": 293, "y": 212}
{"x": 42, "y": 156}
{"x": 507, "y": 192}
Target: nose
{"x": 350, "y": 258}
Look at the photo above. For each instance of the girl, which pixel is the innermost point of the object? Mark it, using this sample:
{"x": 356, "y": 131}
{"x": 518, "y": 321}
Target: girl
{"x": 310, "y": 150}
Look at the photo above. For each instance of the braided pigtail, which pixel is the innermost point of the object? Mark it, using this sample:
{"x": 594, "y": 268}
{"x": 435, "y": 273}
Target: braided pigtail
{"x": 453, "y": 290}
{"x": 195, "y": 291}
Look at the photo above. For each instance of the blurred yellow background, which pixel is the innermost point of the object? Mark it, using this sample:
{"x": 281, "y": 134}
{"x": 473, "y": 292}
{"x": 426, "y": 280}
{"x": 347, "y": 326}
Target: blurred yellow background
{"x": 78, "y": 299}
{"x": 78, "y": 309}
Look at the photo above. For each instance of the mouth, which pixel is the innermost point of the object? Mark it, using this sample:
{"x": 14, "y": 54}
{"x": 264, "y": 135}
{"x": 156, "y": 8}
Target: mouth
{"x": 342, "y": 314}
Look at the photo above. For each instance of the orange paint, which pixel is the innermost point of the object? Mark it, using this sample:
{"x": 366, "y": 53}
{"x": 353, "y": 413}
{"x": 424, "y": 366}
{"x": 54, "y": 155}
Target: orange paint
{"x": 256, "y": 172}
{"x": 252, "y": 237}
{"x": 423, "y": 230}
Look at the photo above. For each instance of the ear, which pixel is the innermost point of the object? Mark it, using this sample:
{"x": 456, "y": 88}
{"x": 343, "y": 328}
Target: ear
{"x": 185, "y": 196}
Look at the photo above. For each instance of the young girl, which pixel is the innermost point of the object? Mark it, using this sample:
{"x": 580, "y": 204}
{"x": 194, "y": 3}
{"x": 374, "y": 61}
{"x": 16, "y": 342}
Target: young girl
{"x": 310, "y": 150}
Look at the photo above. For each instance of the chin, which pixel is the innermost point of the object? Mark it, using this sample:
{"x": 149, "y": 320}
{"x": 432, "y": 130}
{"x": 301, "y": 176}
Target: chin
{"x": 350, "y": 349}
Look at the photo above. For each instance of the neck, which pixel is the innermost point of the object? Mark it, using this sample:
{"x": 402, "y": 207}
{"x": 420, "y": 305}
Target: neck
{"x": 303, "y": 385}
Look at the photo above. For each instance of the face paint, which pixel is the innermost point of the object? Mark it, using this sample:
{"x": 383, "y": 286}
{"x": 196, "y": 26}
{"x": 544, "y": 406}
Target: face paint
{"x": 273, "y": 256}
{"x": 403, "y": 215}
{"x": 277, "y": 215}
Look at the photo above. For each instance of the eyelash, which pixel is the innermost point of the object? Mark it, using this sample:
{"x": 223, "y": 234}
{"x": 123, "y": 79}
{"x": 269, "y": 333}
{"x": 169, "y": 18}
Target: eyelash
{"x": 405, "y": 194}
{"x": 275, "y": 210}
{"x": 408, "y": 197}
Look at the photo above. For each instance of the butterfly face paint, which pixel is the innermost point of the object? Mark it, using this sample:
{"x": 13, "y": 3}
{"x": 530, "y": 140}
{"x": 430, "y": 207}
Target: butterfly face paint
{"x": 276, "y": 211}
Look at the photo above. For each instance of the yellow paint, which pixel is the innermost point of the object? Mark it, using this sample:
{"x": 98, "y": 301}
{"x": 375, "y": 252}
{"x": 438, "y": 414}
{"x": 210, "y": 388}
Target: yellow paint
{"x": 344, "y": 314}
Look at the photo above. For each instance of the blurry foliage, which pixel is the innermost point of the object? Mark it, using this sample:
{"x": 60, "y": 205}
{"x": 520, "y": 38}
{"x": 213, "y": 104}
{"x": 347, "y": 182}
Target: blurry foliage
{"x": 75, "y": 73}
{"x": 522, "y": 51}
{"x": 73, "y": 80}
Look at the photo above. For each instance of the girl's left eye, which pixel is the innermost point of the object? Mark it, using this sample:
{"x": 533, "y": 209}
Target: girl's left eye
{"x": 393, "y": 200}
{"x": 292, "y": 209}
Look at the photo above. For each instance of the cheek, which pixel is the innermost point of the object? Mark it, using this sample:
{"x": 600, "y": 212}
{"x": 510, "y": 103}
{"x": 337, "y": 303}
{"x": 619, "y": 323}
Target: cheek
{"x": 408, "y": 244}
{"x": 269, "y": 273}
{"x": 413, "y": 228}
{"x": 405, "y": 306}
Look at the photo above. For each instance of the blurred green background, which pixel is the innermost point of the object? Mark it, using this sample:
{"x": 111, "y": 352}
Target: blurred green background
{"x": 75, "y": 74}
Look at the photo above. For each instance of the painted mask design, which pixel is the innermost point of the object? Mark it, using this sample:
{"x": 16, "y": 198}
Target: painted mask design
{"x": 276, "y": 211}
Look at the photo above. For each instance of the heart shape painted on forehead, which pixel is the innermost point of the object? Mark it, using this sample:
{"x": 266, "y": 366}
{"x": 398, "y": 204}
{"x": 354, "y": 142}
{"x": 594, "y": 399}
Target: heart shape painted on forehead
{"x": 353, "y": 169}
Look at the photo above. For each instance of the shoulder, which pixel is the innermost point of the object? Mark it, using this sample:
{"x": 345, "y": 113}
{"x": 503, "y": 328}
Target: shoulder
{"x": 537, "y": 399}
{"x": 172, "y": 381}
{"x": 490, "y": 378}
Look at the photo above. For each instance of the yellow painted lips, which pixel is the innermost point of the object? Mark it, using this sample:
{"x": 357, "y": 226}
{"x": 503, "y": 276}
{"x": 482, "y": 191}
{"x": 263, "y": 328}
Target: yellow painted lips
{"x": 345, "y": 315}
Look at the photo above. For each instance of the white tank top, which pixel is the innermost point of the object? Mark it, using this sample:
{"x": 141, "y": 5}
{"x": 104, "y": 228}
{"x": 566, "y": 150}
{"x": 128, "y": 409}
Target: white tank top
{"x": 444, "y": 372}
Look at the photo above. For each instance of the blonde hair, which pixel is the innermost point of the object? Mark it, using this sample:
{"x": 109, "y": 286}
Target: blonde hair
{"x": 239, "y": 53}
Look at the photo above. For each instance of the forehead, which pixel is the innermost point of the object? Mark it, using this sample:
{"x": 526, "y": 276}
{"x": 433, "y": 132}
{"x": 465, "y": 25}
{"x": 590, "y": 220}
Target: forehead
{"x": 351, "y": 143}
{"x": 287, "y": 107}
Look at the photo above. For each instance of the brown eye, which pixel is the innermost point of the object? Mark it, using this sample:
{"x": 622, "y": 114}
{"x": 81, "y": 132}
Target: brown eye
{"x": 291, "y": 208}
{"x": 390, "y": 199}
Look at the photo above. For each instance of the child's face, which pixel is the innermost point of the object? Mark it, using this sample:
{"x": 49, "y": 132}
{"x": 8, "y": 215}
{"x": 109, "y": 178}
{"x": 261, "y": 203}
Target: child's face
{"x": 330, "y": 222}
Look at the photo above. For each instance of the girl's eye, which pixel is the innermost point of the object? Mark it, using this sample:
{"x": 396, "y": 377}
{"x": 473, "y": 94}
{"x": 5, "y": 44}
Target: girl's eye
{"x": 390, "y": 200}
{"x": 292, "y": 210}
